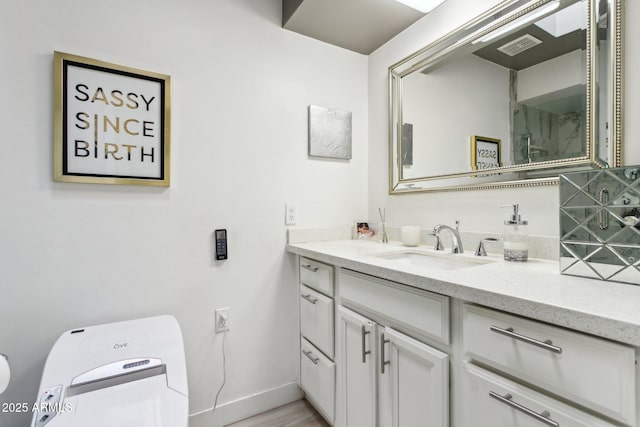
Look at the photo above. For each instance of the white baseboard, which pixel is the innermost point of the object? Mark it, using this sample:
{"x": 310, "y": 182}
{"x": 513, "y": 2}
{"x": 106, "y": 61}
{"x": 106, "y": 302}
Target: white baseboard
{"x": 248, "y": 406}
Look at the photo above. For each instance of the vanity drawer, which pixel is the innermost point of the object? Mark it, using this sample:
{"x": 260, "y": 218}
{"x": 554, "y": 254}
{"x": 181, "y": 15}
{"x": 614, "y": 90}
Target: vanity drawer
{"x": 591, "y": 371}
{"x": 400, "y": 306}
{"x": 316, "y": 319}
{"x": 491, "y": 400}
{"x": 316, "y": 275}
{"x": 317, "y": 378}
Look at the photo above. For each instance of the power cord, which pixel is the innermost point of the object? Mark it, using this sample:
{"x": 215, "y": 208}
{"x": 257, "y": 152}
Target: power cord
{"x": 224, "y": 378}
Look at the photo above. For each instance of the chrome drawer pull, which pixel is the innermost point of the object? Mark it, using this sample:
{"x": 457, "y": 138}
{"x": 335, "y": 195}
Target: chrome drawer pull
{"x": 603, "y": 218}
{"x": 309, "y": 267}
{"x": 542, "y": 417}
{"x": 310, "y": 356}
{"x": 364, "y": 334}
{"x": 309, "y": 298}
{"x": 547, "y": 345}
{"x": 382, "y": 361}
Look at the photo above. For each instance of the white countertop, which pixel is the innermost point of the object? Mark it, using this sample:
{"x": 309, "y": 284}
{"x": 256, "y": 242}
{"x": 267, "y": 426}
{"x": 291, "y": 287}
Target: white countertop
{"x": 534, "y": 289}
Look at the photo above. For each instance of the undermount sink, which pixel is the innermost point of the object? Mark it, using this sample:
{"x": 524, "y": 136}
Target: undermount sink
{"x": 432, "y": 260}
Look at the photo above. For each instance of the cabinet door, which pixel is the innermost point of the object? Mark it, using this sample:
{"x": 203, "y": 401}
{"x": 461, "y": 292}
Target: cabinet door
{"x": 355, "y": 358}
{"x": 414, "y": 382}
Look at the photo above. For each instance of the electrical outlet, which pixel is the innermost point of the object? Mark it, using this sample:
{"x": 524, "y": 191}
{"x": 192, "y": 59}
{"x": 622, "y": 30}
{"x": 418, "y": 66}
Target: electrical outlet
{"x": 291, "y": 214}
{"x": 222, "y": 319}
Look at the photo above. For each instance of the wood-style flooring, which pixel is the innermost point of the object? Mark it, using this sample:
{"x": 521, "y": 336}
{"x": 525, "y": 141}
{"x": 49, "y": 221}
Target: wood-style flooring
{"x": 296, "y": 414}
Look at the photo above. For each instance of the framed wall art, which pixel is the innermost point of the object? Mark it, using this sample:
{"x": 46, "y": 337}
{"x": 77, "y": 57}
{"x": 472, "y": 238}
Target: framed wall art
{"x": 111, "y": 123}
{"x": 329, "y": 133}
{"x": 485, "y": 153}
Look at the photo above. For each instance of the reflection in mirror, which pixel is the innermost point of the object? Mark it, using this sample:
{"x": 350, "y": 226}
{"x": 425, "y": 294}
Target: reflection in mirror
{"x": 600, "y": 224}
{"x": 523, "y": 92}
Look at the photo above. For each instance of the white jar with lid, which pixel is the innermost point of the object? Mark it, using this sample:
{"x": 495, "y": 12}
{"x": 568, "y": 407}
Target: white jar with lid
{"x": 410, "y": 235}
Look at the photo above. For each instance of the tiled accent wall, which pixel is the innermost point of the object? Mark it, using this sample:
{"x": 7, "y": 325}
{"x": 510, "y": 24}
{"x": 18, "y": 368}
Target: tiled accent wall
{"x": 600, "y": 224}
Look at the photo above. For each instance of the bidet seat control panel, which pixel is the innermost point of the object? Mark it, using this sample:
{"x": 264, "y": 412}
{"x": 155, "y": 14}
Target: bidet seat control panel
{"x": 221, "y": 244}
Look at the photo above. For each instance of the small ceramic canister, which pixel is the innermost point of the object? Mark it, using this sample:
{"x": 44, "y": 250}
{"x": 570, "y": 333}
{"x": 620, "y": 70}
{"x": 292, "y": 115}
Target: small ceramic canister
{"x": 410, "y": 235}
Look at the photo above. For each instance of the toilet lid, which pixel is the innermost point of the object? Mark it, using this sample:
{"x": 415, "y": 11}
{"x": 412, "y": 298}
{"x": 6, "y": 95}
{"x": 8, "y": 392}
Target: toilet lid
{"x": 146, "y": 402}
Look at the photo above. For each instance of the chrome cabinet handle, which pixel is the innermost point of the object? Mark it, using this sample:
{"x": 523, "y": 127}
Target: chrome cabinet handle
{"x": 309, "y": 298}
{"x": 382, "y": 361}
{"x": 603, "y": 218}
{"x": 310, "y": 356}
{"x": 543, "y": 417}
{"x": 309, "y": 267}
{"x": 547, "y": 345}
{"x": 364, "y": 334}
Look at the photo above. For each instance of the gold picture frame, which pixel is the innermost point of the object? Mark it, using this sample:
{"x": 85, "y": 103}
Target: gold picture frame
{"x": 485, "y": 153}
{"x": 111, "y": 123}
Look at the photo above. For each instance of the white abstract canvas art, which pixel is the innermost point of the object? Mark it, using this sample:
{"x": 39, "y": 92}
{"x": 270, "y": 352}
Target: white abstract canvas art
{"x": 329, "y": 133}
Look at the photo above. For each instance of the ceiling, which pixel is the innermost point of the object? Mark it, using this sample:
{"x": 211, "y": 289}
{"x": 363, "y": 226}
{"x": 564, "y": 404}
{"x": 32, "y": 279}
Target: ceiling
{"x": 358, "y": 25}
{"x": 551, "y": 47}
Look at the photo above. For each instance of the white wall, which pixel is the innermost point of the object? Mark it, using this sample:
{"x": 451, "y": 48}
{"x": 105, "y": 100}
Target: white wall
{"x": 477, "y": 210}
{"x": 75, "y": 254}
{"x": 565, "y": 73}
{"x": 631, "y": 61}
{"x": 441, "y": 146}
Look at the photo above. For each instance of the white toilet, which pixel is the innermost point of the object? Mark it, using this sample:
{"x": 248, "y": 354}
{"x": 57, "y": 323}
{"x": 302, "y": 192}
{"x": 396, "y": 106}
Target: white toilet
{"x": 126, "y": 374}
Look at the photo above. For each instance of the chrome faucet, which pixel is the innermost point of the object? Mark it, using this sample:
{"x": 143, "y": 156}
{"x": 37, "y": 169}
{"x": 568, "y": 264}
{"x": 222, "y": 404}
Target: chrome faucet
{"x": 438, "y": 246}
{"x": 456, "y": 241}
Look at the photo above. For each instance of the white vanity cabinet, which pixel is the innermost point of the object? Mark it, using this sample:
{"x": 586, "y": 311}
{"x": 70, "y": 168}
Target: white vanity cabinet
{"x": 385, "y": 377}
{"x": 379, "y": 352}
{"x": 590, "y": 374}
{"x": 317, "y": 367}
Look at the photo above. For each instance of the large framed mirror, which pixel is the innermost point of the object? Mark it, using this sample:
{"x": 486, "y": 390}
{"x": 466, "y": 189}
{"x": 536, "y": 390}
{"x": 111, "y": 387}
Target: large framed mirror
{"x": 526, "y": 91}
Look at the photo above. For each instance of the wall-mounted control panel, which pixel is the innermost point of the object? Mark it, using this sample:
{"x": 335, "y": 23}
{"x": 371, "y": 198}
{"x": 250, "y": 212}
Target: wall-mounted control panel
{"x": 221, "y": 244}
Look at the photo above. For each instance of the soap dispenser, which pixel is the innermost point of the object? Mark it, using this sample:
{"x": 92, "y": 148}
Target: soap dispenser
{"x": 516, "y": 247}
